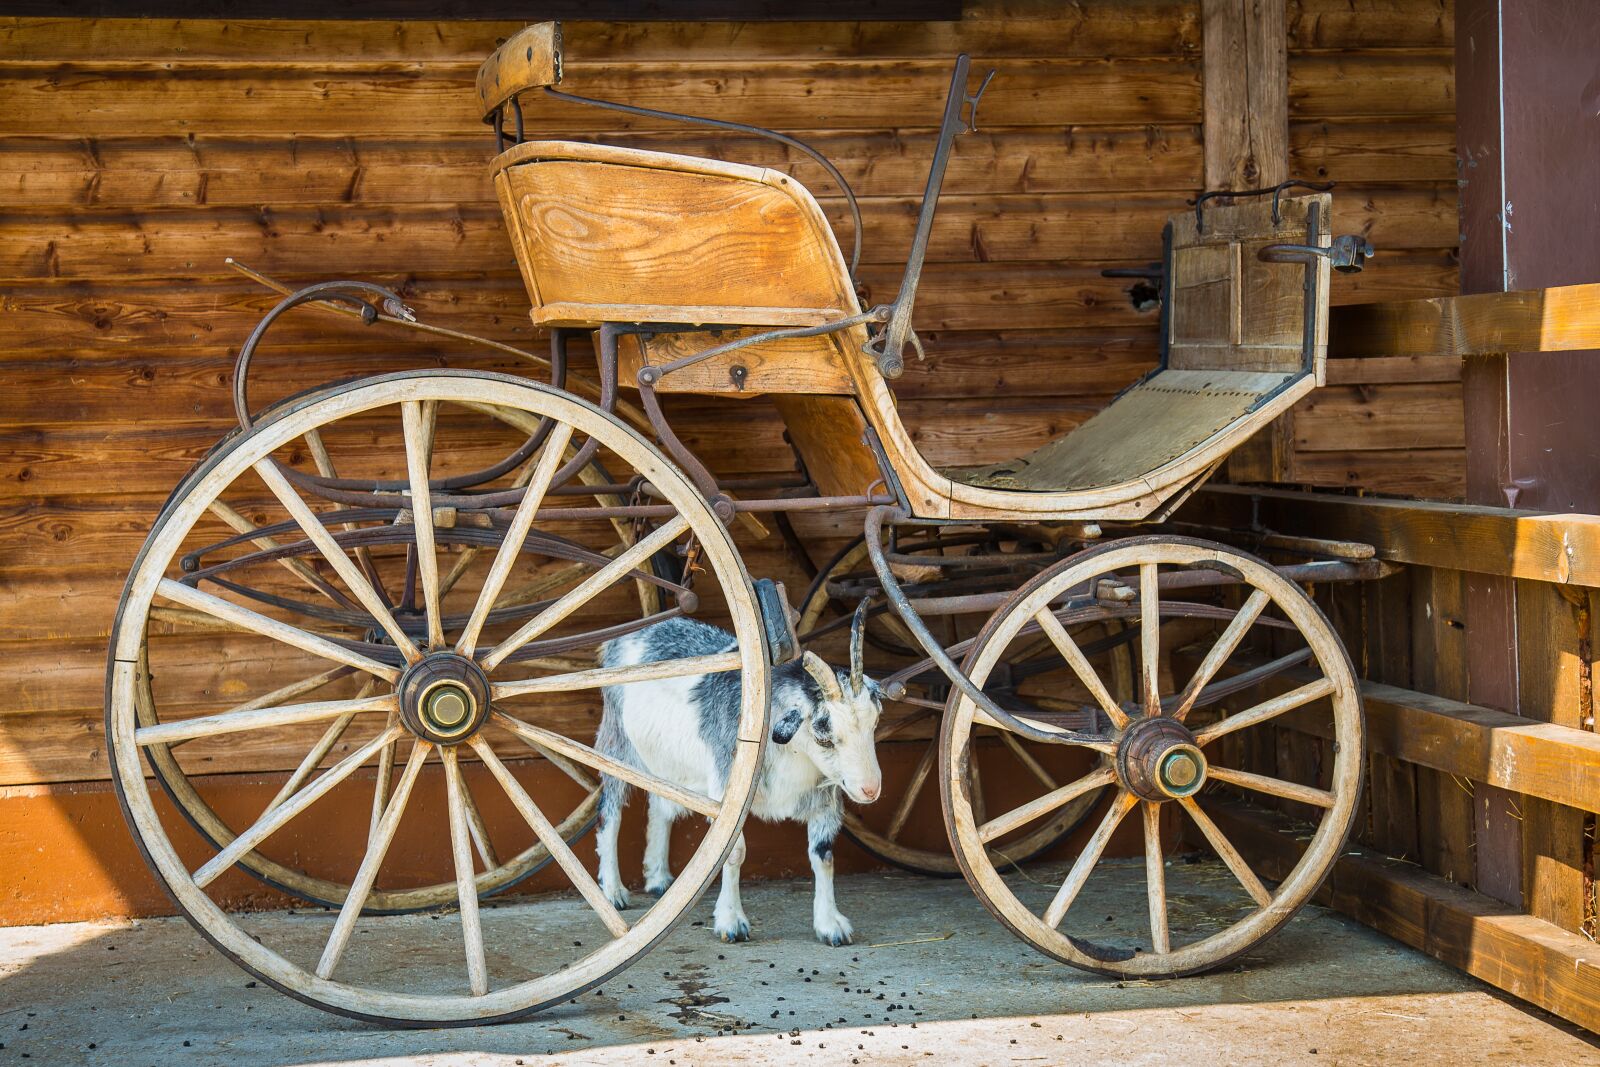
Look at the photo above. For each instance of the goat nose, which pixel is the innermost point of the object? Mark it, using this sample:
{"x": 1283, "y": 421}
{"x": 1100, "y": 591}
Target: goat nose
{"x": 871, "y": 791}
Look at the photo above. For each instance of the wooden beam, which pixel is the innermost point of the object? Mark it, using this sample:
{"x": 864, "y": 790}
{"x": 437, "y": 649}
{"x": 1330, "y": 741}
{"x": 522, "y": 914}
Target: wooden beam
{"x": 1564, "y": 318}
{"x": 1547, "y": 547}
{"x": 1518, "y": 953}
{"x": 1557, "y": 763}
{"x": 1246, "y": 134}
{"x": 1246, "y": 94}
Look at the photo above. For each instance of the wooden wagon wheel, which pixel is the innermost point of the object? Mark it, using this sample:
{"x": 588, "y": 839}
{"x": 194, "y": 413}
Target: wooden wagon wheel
{"x": 1156, "y": 755}
{"x": 455, "y": 686}
{"x": 331, "y": 892}
{"x": 1002, "y": 757}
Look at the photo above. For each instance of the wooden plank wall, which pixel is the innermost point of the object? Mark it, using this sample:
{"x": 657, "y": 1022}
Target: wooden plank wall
{"x": 1383, "y": 425}
{"x": 136, "y": 155}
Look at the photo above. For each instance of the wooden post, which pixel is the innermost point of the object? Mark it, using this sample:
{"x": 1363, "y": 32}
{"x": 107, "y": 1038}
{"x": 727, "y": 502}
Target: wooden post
{"x": 1246, "y": 131}
{"x": 1527, "y": 153}
{"x": 1246, "y": 93}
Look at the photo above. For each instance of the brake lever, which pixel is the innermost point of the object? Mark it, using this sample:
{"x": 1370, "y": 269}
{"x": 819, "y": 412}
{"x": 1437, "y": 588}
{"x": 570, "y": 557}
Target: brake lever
{"x": 971, "y": 101}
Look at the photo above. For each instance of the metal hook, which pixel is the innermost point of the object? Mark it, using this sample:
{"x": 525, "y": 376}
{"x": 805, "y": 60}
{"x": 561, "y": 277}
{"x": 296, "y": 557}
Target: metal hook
{"x": 971, "y": 100}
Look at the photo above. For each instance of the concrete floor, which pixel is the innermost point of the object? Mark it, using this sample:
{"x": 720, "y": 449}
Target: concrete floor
{"x": 931, "y": 978}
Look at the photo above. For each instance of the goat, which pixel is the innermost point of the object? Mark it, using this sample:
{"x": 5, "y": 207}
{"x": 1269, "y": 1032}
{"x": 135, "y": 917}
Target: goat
{"x": 685, "y": 730}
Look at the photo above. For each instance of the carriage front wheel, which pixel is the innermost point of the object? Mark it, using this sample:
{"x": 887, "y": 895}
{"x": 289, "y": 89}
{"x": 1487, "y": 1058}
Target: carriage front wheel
{"x": 449, "y": 625}
{"x": 1168, "y": 756}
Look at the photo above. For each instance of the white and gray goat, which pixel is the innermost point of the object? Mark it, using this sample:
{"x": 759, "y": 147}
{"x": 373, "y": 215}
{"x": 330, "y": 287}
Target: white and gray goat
{"x": 685, "y": 730}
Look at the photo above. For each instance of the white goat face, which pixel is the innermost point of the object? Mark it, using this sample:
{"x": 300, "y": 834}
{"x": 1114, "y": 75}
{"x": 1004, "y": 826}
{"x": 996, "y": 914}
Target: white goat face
{"x": 839, "y": 732}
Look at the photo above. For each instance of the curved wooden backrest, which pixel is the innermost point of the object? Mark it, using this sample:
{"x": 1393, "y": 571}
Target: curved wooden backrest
{"x": 605, "y": 234}
{"x": 598, "y": 228}
{"x": 530, "y": 59}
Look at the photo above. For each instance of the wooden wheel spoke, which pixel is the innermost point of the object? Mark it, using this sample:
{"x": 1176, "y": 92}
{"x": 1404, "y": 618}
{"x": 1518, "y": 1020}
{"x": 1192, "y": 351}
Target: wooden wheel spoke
{"x": 541, "y": 738}
{"x": 277, "y": 817}
{"x": 230, "y": 722}
{"x": 687, "y": 667}
{"x": 551, "y": 839}
{"x": 466, "y": 877}
{"x": 919, "y": 776}
{"x": 324, "y": 464}
{"x": 555, "y": 447}
{"x": 304, "y": 640}
{"x": 1265, "y": 710}
{"x": 588, "y": 589}
{"x": 1155, "y": 878}
{"x": 1276, "y": 787}
{"x": 297, "y": 567}
{"x": 418, "y": 419}
{"x": 983, "y": 718}
{"x": 1081, "y": 667}
{"x": 377, "y": 848}
{"x": 479, "y": 829}
{"x": 313, "y": 758}
{"x": 1226, "y": 643}
{"x": 886, "y": 732}
{"x": 566, "y": 766}
{"x": 324, "y": 745}
{"x": 1150, "y": 637}
{"x": 1021, "y": 816}
{"x": 1027, "y": 759}
{"x": 319, "y": 536}
{"x": 459, "y": 569}
{"x": 1084, "y": 865}
{"x": 980, "y": 806}
{"x": 385, "y": 775}
{"x": 1230, "y": 855}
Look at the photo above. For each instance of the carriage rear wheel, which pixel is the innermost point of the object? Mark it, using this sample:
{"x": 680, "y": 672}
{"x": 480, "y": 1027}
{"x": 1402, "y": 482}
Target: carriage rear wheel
{"x": 1168, "y": 759}
{"x": 459, "y": 693}
{"x": 896, "y": 829}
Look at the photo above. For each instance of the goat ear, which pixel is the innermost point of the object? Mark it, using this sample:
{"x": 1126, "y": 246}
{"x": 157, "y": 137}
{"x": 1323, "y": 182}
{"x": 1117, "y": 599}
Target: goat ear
{"x": 784, "y": 729}
{"x": 823, "y": 675}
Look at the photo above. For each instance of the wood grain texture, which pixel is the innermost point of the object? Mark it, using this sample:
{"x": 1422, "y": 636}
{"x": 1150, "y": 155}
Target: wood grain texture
{"x": 1521, "y": 954}
{"x": 1499, "y": 541}
{"x": 1246, "y": 94}
{"x": 139, "y": 154}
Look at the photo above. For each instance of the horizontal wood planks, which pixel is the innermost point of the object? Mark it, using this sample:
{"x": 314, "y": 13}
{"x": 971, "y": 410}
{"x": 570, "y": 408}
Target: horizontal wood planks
{"x": 1557, "y": 548}
{"x": 136, "y": 155}
{"x": 1523, "y": 955}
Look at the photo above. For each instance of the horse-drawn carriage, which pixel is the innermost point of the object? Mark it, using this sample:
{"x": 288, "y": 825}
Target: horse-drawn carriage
{"x": 447, "y": 597}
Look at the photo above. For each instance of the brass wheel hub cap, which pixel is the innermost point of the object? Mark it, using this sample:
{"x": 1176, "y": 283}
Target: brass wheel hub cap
{"x": 444, "y": 698}
{"x": 1158, "y": 760}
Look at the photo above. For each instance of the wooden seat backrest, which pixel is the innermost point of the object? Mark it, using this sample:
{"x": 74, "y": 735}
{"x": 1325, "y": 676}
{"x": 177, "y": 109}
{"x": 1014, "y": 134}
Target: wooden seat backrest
{"x": 606, "y": 234}
{"x": 530, "y": 59}
{"x": 602, "y": 227}
{"x": 1231, "y": 311}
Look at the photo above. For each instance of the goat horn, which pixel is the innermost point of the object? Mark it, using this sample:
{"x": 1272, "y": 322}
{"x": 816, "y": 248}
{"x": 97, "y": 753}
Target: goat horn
{"x": 823, "y": 674}
{"x": 858, "y": 629}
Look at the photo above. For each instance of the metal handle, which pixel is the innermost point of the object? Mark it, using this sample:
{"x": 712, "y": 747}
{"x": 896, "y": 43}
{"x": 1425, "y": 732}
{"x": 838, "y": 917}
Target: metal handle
{"x": 1347, "y": 254}
{"x": 887, "y": 348}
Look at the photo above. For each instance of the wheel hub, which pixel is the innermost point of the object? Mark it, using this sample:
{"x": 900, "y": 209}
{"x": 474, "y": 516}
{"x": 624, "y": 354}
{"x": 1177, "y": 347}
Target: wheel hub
{"x": 1158, "y": 760}
{"x": 444, "y": 698}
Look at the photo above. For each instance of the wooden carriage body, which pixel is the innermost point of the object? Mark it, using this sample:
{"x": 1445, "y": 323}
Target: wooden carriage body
{"x": 616, "y": 235}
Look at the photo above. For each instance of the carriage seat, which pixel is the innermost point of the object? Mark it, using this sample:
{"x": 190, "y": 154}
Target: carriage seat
{"x": 1237, "y": 356}
{"x": 1160, "y": 419}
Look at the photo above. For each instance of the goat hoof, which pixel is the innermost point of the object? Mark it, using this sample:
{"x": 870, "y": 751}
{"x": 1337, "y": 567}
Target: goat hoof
{"x": 655, "y": 889}
{"x": 619, "y": 899}
{"x": 735, "y": 932}
{"x": 835, "y": 932}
